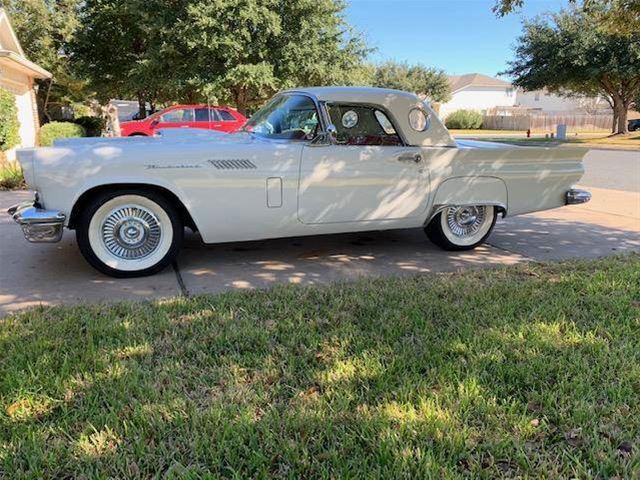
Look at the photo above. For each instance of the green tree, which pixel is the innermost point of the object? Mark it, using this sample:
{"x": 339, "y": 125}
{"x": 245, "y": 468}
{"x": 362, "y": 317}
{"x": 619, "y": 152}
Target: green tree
{"x": 615, "y": 16}
{"x": 112, "y": 49}
{"x": 238, "y": 51}
{"x": 567, "y": 52}
{"x": 430, "y": 82}
{"x": 9, "y": 125}
{"x": 44, "y": 28}
{"x": 243, "y": 51}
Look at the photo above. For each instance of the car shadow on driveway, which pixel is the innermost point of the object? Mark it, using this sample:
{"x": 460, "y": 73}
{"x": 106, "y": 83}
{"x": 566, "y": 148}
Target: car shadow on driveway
{"x": 328, "y": 258}
{"x": 322, "y": 259}
{"x": 50, "y": 274}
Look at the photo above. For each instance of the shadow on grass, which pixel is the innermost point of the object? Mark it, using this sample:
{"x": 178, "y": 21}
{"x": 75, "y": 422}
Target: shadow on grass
{"x": 509, "y": 372}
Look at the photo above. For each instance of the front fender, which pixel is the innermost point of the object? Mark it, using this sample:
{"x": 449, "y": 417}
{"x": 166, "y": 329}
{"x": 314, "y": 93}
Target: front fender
{"x": 142, "y": 181}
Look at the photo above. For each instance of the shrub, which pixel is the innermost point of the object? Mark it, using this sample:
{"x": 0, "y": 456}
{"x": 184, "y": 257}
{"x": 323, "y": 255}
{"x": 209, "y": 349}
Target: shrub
{"x": 93, "y": 125}
{"x": 464, "y": 119}
{"x": 11, "y": 176}
{"x": 81, "y": 110}
{"x": 9, "y": 124}
{"x": 56, "y": 130}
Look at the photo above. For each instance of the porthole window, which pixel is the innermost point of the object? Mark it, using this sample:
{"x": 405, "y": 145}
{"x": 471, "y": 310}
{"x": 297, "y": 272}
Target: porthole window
{"x": 418, "y": 120}
{"x": 349, "y": 119}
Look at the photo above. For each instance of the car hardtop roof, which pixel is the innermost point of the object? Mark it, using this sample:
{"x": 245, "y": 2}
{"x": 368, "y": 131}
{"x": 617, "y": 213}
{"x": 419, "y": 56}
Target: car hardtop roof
{"x": 362, "y": 94}
{"x": 196, "y": 105}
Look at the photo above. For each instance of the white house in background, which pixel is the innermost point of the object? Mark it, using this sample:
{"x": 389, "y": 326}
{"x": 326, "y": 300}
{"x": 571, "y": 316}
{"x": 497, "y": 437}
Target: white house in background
{"x": 551, "y": 103}
{"x": 475, "y": 91}
{"x": 17, "y": 75}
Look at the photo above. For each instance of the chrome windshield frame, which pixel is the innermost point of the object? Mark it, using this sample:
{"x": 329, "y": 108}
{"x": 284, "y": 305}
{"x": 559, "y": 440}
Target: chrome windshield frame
{"x": 320, "y": 110}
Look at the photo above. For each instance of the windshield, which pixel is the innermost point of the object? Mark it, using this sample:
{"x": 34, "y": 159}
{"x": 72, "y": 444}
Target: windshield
{"x": 288, "y": 117}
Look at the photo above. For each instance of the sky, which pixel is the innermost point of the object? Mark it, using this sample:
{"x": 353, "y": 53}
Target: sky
{"x": 458, "y": 36}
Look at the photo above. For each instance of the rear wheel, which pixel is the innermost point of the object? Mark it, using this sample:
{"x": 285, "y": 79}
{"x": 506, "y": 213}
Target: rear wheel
{"x": 462, "y": 227}
{"x": 129, "y": 233}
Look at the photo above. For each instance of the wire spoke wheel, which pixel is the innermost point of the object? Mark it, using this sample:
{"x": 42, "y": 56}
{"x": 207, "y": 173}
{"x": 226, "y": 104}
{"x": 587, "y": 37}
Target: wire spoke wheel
{"x": 461, "y": 227}
{"x": 465, "y": 221}
{"x": 131, "y": 232}
{"x": 466, "y": 226}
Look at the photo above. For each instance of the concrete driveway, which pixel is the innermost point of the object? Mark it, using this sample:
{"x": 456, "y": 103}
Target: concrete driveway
{"x": 49, "y": 274}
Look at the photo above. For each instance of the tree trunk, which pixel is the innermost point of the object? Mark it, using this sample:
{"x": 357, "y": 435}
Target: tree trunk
{"x": 42, "y": 99}
{"x": 614, "y": 126}
{"x": 239, "y": 99}
{"x": 621, "y": 114}
{"x": 142, "y": 106}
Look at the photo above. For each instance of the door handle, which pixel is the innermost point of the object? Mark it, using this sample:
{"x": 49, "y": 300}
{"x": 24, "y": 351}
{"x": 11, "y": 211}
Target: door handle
{"x": 410, "y": 158}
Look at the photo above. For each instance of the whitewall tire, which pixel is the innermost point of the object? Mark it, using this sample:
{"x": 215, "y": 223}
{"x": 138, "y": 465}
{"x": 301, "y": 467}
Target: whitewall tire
{"x": 462, "y": 227}
{"x": 129, "y": 233}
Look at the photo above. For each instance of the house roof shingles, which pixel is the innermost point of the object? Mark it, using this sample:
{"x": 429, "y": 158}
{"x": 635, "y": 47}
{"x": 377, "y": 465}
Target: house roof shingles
{"x": 458, "y": 82}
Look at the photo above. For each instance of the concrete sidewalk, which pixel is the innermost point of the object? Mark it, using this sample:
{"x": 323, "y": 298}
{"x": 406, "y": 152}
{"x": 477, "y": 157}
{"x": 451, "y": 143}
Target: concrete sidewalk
{"x": 49, "y": 274}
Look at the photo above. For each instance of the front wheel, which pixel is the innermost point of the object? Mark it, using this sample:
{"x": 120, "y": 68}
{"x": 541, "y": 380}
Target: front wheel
{"x": 462, "y": 227}
{"x": 129, "y": 233}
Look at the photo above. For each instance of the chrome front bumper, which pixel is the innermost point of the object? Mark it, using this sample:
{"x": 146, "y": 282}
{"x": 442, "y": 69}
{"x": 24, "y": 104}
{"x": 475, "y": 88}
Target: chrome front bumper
{"x": 38, "y": 225}
{"x": 575, "y": 196}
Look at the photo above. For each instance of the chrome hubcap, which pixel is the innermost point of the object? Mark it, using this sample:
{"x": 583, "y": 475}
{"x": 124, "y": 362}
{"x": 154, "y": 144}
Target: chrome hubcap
{"x": 131, "y": 232}
{"x": 465, "y": 221}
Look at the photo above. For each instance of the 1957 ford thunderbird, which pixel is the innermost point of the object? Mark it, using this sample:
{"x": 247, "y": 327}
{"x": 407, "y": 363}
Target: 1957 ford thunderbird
{"x": 311, "y": 161}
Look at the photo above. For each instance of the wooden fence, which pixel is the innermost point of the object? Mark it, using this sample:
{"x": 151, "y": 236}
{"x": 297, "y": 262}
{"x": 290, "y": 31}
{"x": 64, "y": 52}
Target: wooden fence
{"x": 548, "y": 122}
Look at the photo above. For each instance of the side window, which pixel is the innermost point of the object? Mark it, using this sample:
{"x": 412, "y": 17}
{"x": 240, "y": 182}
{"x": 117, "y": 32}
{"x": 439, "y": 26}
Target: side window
{"x": 178, "y": 115}
{"x": 202, "y": 115}
{"x": 226, "y": 116}
{"x": 362, "y": 125}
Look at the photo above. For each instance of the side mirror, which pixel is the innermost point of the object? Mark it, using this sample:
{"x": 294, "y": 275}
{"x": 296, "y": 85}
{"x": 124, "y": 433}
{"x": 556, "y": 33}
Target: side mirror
{"x": 154, "y": 123}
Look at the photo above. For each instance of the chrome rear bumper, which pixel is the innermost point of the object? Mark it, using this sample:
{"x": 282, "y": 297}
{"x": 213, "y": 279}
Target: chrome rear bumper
{"x": 575, "y": 196}
{"x": 38, "y": 225}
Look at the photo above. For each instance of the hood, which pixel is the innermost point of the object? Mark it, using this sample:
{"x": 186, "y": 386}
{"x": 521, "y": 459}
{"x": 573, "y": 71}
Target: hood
{"x": 164, "y": 136}
{"x": 127, "y": 123}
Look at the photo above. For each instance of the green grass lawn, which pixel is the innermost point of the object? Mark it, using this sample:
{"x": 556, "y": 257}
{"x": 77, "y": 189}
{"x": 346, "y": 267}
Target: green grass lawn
{"x": 531, "y": 371}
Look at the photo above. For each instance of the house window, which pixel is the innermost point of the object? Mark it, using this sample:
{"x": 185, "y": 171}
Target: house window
{"x": 536, "y": 98}
{"x": 509, "y": 92}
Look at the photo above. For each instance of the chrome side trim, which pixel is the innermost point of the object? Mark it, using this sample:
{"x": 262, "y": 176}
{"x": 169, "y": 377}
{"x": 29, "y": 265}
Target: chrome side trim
{"x": 576, "y": 196}
{"x": 38, "y": 225}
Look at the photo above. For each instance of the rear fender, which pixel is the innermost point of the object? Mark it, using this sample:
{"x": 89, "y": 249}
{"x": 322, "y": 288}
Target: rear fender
{"x": 471, "y": 191}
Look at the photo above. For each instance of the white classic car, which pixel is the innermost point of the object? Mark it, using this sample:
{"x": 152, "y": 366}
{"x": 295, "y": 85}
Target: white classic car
{"x": 311, "y": 161}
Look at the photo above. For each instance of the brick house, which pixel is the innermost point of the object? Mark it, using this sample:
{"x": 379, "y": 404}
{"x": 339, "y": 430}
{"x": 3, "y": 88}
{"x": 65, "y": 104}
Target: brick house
{"x": 17, "y": 75}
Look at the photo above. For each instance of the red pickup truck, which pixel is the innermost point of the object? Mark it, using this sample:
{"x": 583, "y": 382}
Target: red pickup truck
{"x": 225, "y": 119}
